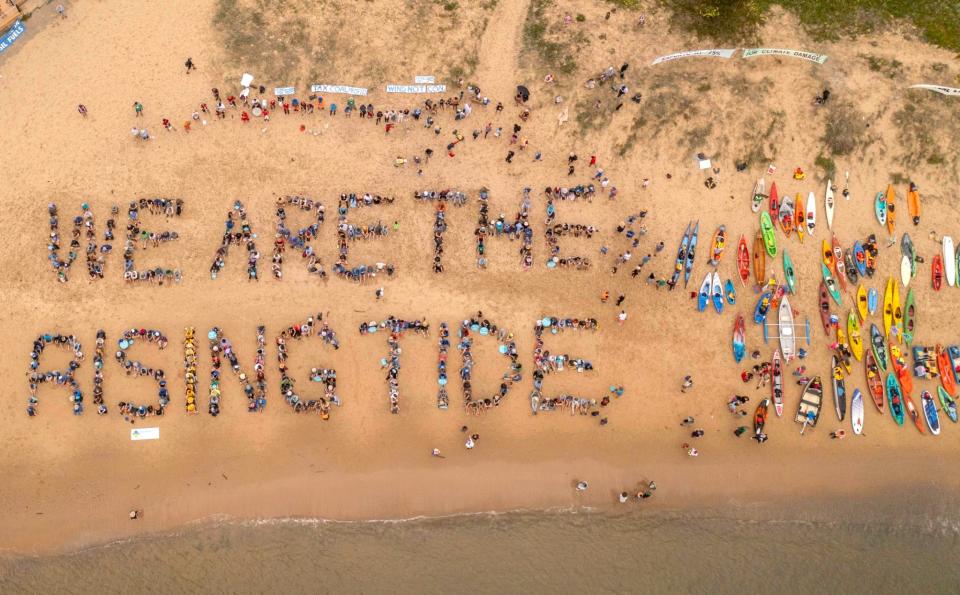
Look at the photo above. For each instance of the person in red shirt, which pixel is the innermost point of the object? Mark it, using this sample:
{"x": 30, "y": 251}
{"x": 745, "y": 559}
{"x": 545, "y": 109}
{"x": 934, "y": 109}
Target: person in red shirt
{"x": 244, "y": 117}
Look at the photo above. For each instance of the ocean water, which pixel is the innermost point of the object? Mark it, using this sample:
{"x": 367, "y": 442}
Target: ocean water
{"x": 520, "y": 552}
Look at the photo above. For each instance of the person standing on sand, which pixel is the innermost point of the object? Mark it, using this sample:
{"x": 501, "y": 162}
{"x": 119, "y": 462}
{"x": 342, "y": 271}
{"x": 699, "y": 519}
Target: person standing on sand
{"x": 687, "y": 383}
{"x": 82, "y": 109}
{"x": 189, "y": 65}
{"x": 138, "y": 108}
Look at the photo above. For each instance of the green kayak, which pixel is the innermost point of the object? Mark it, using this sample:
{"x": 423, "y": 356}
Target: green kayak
{"x": 788, "y": 273}
{"x": 769, "y": 239}
{"x": 830, "y": 283}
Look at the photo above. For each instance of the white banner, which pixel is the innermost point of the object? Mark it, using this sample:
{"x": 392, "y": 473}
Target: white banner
{"x": 938, "y": 89}
{"x": 416, "y": 88}
{"x": 695, "y": 53}
{"x": 425, "y": 79}
{"x": 338, "y": 89}
{"x": 145, "y": 434}
{"x": 284, "y": 91}
{"x": 751, "y": 52}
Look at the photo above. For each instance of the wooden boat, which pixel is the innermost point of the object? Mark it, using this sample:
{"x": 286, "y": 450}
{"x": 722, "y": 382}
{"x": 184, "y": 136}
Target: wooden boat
{"x": 874, "y": 380}
{"x": 776, "y": 386}
{"x": 730, "y": 292}
{"x": 830, "y": 284}
{"x": 691, "y": 253}
{"x": 879, "y": 347}
{"x": 856, "y": 412}
{"x": 860, "y": 258}
{"x": 898, "y": 362}
{"x": 880, "y": 208}
{"x": 888, "y": 307}
{"x": 946, "y": 370}
{"x": 760, "y": 417}
{"x": 949, "y": 261}
{"x": 743, "y": 260}
{"x": 936, "y": 272}
{"x": 839, "y": 390}
{"x": 853, "y": 332}
{"x": 759, "y": 260}
{"x": 769, "y": 237}
{"x": 758, "y": 195}
{"x": 913, "y": 413}
{"x": 788, "y": 272}
{"x": 930, "y": 412}
{"x": 788, "y": 341}
{"x": 801, "y": 216}
{"x": 829, "y": 204}
{"x": 763, "y": 304}
{"x": 948, "y": 403}
{"x": 913, "y": 203}
{"x": 872, "y": 301}
{"x": 739, "y": 345}
{"x": 909, "y": 318}
{"x": 717, "y": 293}
{"x": 719, "y": 243}
{"x": 681, "y": 256}
{"x": 774, "y": 203}
{"x": 838, "y": 265}
{"x": 862, "y": 302}
{"x": 895, "y": 398}
{"x": 808, "y": 411}
{"x": 787, "y": 215}
{"x": 824, "y": 308}
{"x": 891, "y": 200}
{"x": 811, "y": 213}
{"x": 703, "y": 296}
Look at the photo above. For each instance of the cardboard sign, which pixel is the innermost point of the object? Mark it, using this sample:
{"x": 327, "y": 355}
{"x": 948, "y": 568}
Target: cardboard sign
{"x": 284, "y": 91}
{"x": 695, "y": 54}
{"x": 338, "y": 89}
{"x": 753, "y": 52}
{"x": 145, "y": 434}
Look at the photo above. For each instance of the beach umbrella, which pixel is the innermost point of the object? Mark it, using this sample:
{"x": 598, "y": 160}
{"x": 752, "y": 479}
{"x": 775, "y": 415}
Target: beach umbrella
{"x": 523, "y": 92}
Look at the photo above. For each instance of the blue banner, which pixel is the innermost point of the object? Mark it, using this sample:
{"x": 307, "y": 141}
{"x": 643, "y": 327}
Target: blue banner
{"x": 11, "y": 35}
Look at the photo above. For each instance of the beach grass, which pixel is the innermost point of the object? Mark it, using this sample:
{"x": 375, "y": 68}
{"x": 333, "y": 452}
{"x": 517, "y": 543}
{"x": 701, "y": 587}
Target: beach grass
{"x": 556, "y": 54}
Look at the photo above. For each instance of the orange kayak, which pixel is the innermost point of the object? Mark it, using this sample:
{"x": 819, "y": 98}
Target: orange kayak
{"x": 891, "y": 208}
{"x": 946, "y": 371}
{"x": 913, "y": 204}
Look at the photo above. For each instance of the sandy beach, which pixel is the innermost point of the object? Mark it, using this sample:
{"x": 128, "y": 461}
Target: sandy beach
{"x": 71, "y": 481}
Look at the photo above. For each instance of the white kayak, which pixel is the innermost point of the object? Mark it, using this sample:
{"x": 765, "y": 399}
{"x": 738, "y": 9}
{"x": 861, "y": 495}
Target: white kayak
{"x": 905, "y": 270}
{"x": 811, "y": 212}
{"x": 856, "y": 411}
{"x": 949, "y": 261}
{"x": 788, "y": 341}
{"x": 828, "y": 201}
{"x": 759, "y": 193}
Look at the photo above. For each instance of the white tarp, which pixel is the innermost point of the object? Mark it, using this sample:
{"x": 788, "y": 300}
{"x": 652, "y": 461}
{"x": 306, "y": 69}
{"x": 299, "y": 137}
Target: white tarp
{"x": 284, "y": 91}
{"x": 695, "y": 53}
{"x": 246, "y": 79}
{"x": 938, "y": 89}
{"x": 751, "y": 52}
{"x": 416, "y": 88}
{"x": 424, "y": 79}
{"x": 338, "y": 89}
{"x": 145, "y": 434}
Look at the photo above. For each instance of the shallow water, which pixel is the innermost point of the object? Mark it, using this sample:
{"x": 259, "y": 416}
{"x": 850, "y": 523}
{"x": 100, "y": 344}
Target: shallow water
{"x": 521, "y": 552}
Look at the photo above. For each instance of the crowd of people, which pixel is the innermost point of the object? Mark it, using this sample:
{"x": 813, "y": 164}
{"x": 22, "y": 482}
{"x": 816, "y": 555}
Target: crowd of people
{"x": 301, "y": 241}
{"x": 547, "y": 363}
{"x": 518, "y": 229}
{"x": 327, "y": 376}
{"x": 508, "y": 348}
{"x": 440, "y": 218}
{"x": 190, "y": 369}
{"x": 556, "y": 230}
{"x": 395, "y": 328}
{"x": 135, "y": 368}
{"x": 629, "y": 230}
{"x": 62, "y": 378}
{"x": 443, "y": 347}
{"x": 83, "y": 225}
{"x": 243, "y": 236}
{"x": 256, "y": 390}
{"x": 135, "y": 233}
{"x": 347, "y": 233}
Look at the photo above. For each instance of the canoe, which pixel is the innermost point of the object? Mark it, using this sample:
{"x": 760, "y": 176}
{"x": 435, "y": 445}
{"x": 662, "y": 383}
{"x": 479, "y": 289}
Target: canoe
{"x": 856, "y": 411}
{"x": 874, "y": 380}
{"x": 888, "y": 307}
{"x": 843, "y": 349}
{"x": 829, "y": 204}
{"x": 891, "y": 200}
{"x": 872, "y": 301}
{"x": 760, "y": 417}
{"x": 839, "y": 390}
{"x": 681, "y": 256}
{"x": 743, "y": 260}
{"x": 909, "y": 318}
{"x": 788, "y": 342}
{"x": 787, "y": 215}
{"x": 830, "y": 284}
{"x": 953, "y": 352}
{"x": 800, "y": 216}
{"x": 905, "y": 267}
{"x": 897, "y": 311}
{"x": 913, "y": 413}
{"x": 739, "y": 345}
{"x": 898, "y": 362}
{"x": 853, "y": 332}
{"x": 811, "y": 213}
{"x": 949, "y": 261}
{"x": 789, "y": 273}
{"x": 880, "y": 208}
{"x": 717, "y": 293}
{"x": 730, "y": 291}
{"x": 763, "y": 304}
{"x": 719, "y": 243}
{"x": 879, "y": 347}
{"x": 913, "y": 203}
{"x": 895, "y": 398}
{"x": 758, "y": 195}
{"x": 936, "y": 272}
{"x": 907, "y": 249}
{"x": 759, "y": 260}
{"x": 860, "y": 258}
{"x": 769, "y": 237}
{"x": 774, "y": 207}
{"x": 824, "y": 308}
{"x": 848, "y": 264}
{"x": 870, "y": 252}
{"x": 826, "y": 254}
{"x": 838, "y": 265}
{"x": 776, "y": 386}
{"x": 691, "y": 253}
{"x": 808, "y": 412}
{"x": 703, "y": 295}
{"x": 930, "y": 412}
{"x": 948, "y": 403}
{"x": 944, "y": 366}
{"x": 862, "y": 302}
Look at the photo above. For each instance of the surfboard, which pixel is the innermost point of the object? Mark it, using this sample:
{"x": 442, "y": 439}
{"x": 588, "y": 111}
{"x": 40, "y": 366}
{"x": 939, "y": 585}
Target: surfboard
{"x": 949, "y": 261}
{"x": 856, "y": 411}
{"x": 829, "y": 204}
{"x": 811, "y": 213}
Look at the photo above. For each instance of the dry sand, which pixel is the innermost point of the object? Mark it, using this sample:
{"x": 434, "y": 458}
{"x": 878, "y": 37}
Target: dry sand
{"x": 71, "y": 481}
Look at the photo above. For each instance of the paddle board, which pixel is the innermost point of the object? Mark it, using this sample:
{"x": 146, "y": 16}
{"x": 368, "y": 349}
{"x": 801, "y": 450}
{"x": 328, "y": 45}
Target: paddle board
{"x": 856, "y": 411}
{"x": 829, "y": 204}
{"x": 949, "y": 261}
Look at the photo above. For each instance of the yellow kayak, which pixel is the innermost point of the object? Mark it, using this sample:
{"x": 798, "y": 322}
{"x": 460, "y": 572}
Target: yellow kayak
{"x": 897, "y": 311}
{"x": 853, "y": 331}
{"x": 888, "y": 307}
{"x": 862, "y": 302}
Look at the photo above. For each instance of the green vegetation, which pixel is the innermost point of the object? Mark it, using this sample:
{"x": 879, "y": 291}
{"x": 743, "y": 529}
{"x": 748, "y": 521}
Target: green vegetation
{"x": 889, "y": 68}
{"x": 846, "y": 129}
{"x": 827, "y": 165}
{"x": 556, "y": 55}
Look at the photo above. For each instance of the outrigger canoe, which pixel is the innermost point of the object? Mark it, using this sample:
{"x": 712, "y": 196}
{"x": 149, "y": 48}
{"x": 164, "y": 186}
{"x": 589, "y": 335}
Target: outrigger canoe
{"x": 743, "y": 260}
{"x": 895, "y": 397}
{"x": 769, "y": 237}
{"x": 874, "y": 380}
{"x": 789, "y": 273}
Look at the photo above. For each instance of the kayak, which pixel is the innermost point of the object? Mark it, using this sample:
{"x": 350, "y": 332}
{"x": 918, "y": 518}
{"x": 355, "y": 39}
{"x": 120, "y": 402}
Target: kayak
{"x": 870, "y": 253}
{"x": 719, "y": 243}
{"x": 704, "y": 295}
{"x": 948, "y": 403}
{"x": 856, "y": 411}
{"x": 879, "y": 347}
{"x": 873, "y": 301}
{"x": 860, "y": 258}
{"x": 830, "y": 284}
{"x": 788, "y": 342}
{"x": 776, "y": 387}
{"x": 891, "y": 200}
{"x": 897, "y": 311}
{"x": 905, "y": 270}
{"x": 824, "y": 308}
{"x": 843, "y": 349}
{"x": 758, "y": 195}
{"x": 759, "y": 260}
{"x": 789, "y": 273}
{"x": 930, "y": 412}
{"x": 730, "y": 291}
{"x": 913, "y": 204}
{"x": 827, "y": 254}
{"x": 936, "y": 272}
{"x": 839, "y": 390}
{"x": 763, "y": 304}
{"x": 888, "y": 307}
{"x": 681, "y": 256}
{"x": 801, "y": 216}
{"x": 874, "y": 381}
{"x": 949, "y": 261}
{"x": 907, "y": 249}
{"x": 743, "y": 260}
{"x": 769, "y": 237}
{"x": 853, "y": 331}
{"x": 760, "y": 417}
{"x": 913, "y": 413}
{"x": 899, "y": 363}
{"x": 947, "y": 378}
{"x": 808, "y": 411}
{"x": 691, "y": 252}
{"x": 880, "y": 208}
{"x": 787, "y": 215}
{"x": 829, "y": 204}
{"x": 852, "y": 274}
{"x": 953, "y": 353}
{"x": 774, "y": 203}
{"x": 717, "y": 293}
{"x": 811, "y": 213}
{"x": 909, "y": 318}
{"x": 838, "y": 265}
{"x": 739, "y": 345}
{"x": 862, "y": 302}
{"x": 895, "y": 397}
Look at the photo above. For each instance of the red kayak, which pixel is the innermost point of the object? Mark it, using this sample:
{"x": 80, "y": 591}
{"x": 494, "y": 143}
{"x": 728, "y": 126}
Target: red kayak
{"x": 825, "y": 308}
{"x": 743, "y": 260}
{"x": 937, "y": 271}
{"x": 946, "y": 371}
{"x": 774, "y": 203}
{"x": 874, "y": 382}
